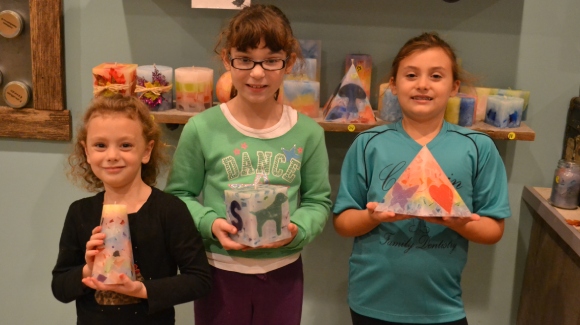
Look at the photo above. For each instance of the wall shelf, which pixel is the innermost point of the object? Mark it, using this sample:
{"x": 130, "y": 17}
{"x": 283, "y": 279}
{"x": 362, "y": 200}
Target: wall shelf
{"x": 522, "y": 133}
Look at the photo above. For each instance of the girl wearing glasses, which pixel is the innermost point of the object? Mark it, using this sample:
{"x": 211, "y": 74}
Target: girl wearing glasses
{"x": 251, "y": 135}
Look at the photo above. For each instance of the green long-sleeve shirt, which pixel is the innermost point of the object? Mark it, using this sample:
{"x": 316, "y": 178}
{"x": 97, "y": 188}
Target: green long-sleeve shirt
{"x": 212, "y": 154}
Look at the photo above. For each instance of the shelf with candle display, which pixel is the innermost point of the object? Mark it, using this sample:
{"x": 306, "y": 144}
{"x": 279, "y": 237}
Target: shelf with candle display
{"x": 522, "y": 133}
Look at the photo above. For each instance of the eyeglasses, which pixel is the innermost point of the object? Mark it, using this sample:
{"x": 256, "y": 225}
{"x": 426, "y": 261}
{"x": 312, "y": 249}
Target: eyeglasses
{"x": 268, "y": 65}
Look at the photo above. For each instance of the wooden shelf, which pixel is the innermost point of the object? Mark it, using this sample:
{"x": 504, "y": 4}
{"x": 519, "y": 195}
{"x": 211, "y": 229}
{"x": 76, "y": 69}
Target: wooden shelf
{"x": 522, "y": 133}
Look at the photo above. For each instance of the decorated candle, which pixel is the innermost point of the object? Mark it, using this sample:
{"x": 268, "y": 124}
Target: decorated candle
{"x": 259, "y": 212}
{"x": 460, "y": 110}
{"x": 504, "y": 111}
{"x": 363, "y": 64}
{"x": 389, "y": 108}
{"x": 154, "y": 86}
{"x": 303, "y": 96}
{"x": 481, "y": 106}
{"x": 303, "y": 70}
{"x": 566, "y": 185}
{"x": 516, "y": 93}
{"x": 452, "y": 110}
{"x": 111, "y": 78}
{"x": 312, "y": 54}
{"x": 466, "y": 110}
{"x": 193, "y": 88}
{"x": 116, "y": 258}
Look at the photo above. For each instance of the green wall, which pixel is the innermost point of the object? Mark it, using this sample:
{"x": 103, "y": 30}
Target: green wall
{"x": 531, "y": 44}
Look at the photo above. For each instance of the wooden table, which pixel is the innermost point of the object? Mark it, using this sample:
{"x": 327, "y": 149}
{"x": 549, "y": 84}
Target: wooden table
{"x": 551, "y": 288}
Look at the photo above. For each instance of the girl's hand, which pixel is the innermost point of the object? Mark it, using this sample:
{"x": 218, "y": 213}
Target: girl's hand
{"x": 94, "y": 246}
{"x": 293, "y": 232}
{"x": 221, "y": 229}
{"x": 452, "y": 222}
{"x": 127, "y": 286}
{"x": 384, "y": 216}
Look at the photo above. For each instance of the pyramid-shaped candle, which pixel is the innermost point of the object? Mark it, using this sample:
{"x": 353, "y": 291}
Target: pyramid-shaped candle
{"x": 260, "y": 212}
{"x": 116, "y": 258}
{"x": 424, "y": 190}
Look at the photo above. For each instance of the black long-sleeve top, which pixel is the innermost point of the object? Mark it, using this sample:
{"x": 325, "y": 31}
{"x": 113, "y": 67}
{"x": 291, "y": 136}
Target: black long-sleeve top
{"x": 164, "y": 239}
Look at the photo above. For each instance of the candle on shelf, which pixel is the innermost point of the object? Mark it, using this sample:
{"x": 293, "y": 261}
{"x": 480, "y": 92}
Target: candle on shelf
{"x": 363, "y": 64}
{"x": 116, "y": 258}
{"x": 312, "y": 54}
{"x": 193, "y": 88}
{"x": 303, "y": 96}
{"x": 481, "y": 106}
{"x": 466, "y": 109}
{"x": 452, "y": 110}
{"x": 304, "y": 69}
{"x": 259, "y": 212}
{"x": 517, "y": 93}
{"x": 389, "y": 108}
{"x": 566, "y": 185}
{"x": 111, "y": 78}
{"x": 504, "y": 111}
{"x": 154, "y": 86}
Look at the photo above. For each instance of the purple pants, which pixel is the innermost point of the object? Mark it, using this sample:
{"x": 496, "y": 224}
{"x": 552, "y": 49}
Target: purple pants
{"x": 253, "y": 299}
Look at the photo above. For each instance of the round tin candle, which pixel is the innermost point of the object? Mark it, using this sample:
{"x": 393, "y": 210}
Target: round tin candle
{"x": 11, "y": 24}
{"x": 16, "y": 94}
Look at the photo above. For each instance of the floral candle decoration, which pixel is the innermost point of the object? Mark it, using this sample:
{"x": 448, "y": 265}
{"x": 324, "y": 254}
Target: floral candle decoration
{"x": 154, "y": 86}
{"x": 112, "y": 78}
{"x": 116, "y": 257}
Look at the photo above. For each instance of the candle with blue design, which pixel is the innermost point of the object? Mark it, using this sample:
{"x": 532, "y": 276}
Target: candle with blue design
{"x": 260, "y": 213}
{"x": 504, "y": 111}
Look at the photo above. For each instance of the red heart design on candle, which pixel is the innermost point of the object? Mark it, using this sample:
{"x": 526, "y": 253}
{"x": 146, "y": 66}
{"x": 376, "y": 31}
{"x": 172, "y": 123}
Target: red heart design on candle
{"x": 443, "y": 195}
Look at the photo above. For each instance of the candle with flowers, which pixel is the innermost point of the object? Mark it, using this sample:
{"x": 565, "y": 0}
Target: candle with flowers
{"x": 111, "y": 78}
{"x": 154, "y": 86}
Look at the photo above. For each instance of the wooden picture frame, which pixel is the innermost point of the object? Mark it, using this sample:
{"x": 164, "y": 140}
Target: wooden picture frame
{"x": 48, "y": 119}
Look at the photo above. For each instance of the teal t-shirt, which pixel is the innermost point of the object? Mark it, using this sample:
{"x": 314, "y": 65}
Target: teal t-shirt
{"x": 410, "y": 271}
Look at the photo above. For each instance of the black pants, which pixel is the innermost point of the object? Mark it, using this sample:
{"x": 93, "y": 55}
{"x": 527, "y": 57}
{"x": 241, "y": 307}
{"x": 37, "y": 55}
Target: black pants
{"x": 358, "y": 319}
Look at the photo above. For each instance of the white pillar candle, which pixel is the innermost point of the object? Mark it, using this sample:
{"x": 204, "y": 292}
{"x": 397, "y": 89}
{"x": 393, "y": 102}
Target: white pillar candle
{"x": 193, "y": 88}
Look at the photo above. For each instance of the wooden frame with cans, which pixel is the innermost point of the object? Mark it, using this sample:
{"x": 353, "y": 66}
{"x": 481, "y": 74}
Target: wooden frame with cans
{"x": 48, "y": 119}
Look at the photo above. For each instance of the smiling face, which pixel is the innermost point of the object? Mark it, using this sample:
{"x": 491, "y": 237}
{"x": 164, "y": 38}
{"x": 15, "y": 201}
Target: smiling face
{"x": 257, "y": 86}
{"x": 423, "y": 83}
{"x": 115, "y": 149}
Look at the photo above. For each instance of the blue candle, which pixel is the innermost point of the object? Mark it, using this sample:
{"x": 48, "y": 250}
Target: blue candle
{"x": 466, "y": 110}
{"x": 503, "y": 111}
{"x": 389, "y": 108}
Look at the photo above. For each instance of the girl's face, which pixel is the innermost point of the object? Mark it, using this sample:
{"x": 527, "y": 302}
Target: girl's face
{"x": 424, "y": 83}
{"x": 115, "y": 149}
{"x": 257, "y": 85}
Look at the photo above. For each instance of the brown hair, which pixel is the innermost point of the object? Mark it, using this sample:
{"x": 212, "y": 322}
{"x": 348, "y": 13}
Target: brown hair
{"x": 424, "y": 42}
{"x": 254, "y": 23}
{"x": 80, "y": 171}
